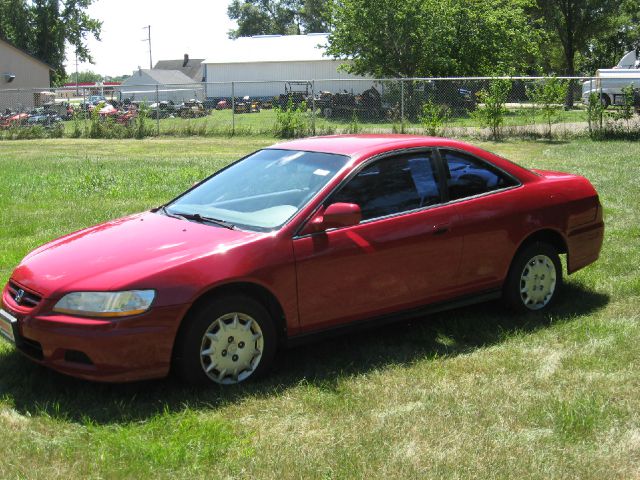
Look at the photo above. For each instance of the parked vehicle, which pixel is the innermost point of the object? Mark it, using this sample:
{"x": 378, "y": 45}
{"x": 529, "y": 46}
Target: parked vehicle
{"x": 92, "y": 101}
{"x": 43, "y": 117}
{"x": 609, "y": 82}
{"x": 107, "y": 110}
{"x": 367, "y": 105}
{"x": 11, "y": 119}
{"x": 454, "y": 95}
{"x": 297, "y": 93}
{"x": 247, "y": 105}
{"x": 191, "y": 109}
{"x": 296, "y": 240}
{"x": 163, "y": 109}
{"x": 63, "y": 109}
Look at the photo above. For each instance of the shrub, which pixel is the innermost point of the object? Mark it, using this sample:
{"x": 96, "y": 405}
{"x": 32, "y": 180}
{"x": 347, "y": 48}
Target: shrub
{"x": 626, "y": 111}
{"x": 595, "y": 113}
{"x": 354, "y": 126}
{"x": 143, "y": 127}
{"x": 492, "y": 110}
{"x": 291, "y": 121}
{"x": 433, "y": 118}
{"x": 549, "y": 96}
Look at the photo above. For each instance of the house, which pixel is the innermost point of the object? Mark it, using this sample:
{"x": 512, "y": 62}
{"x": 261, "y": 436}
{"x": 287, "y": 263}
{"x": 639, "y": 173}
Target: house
{"x": 22, "y": 78}
{"x": 262, "y": 66}
{"x": 191, "y": 67}
{"x": 153, "y": 85}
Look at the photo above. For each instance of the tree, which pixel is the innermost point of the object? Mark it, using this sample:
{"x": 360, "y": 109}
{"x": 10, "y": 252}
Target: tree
{"x": 606, "y": 51}
{"x": 415, "y": 38}
{"x": 45, "y": 27}
{"x": 86, "y": 76}
{"x": 284, "y": 17}
{"x": 576, "y": 24}
{"x": 14, "y": 16}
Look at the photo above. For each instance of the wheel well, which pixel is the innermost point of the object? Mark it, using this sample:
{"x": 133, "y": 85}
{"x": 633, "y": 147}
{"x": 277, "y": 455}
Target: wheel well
{"x": 542, "y": 236}
{"x": 257, "y": 292}
{"x": 546, "y": 236}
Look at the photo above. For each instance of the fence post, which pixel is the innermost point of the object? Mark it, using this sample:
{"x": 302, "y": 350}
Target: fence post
{"x": 600, "y": 99}
{"x": 589, "y": 106}
{"x": 402, "y": 105}
{"x": 157, "y": 111}
{"x": 233, "y": 108}
{"x": 313, "y": 107}
{"x": 85, "y": 107}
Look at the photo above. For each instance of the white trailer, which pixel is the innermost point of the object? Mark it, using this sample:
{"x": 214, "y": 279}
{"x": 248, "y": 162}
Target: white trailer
{"x": 609, "y": 82}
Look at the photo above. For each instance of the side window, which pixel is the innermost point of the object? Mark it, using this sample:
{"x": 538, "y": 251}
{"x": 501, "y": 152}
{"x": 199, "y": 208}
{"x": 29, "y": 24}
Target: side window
{"x": 468, "y": 176}
{"x": 393, "y": 185}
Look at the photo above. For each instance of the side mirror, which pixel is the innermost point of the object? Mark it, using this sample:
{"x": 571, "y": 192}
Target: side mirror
{"x": 336, "y": 215}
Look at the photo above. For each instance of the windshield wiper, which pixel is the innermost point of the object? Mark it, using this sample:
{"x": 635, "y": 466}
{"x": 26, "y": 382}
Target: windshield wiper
{"x": 204, "y": 219}
{"x": 196, "y": 217}
{"x": 166, "y": 212}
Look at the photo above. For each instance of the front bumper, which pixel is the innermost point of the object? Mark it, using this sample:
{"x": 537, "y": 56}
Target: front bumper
{"x": 124, "y": 350}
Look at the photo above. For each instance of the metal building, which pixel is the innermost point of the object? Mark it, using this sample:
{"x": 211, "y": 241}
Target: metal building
{"x": 276, "y": 59}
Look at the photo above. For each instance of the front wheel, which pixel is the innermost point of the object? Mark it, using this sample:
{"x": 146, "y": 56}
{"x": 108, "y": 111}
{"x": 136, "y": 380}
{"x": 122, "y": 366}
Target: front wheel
{"x": 227, "y": 341}
{"x": 534, "y": 278}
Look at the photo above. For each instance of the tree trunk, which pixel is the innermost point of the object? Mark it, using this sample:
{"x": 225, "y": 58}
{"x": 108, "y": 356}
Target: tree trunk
{"x": 570, "y": 59}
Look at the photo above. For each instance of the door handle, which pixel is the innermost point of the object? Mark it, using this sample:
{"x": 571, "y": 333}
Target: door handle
{"x": 440, "y": 229}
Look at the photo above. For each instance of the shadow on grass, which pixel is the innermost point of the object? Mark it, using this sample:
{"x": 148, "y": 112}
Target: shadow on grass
{"x": 39, "y": 391}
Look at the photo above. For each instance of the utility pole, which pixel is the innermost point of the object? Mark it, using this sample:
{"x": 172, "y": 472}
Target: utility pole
{"x": 148, "y": 39}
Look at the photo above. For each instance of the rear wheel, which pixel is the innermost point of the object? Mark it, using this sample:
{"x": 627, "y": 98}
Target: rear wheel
{"x": 227, "y": 341}
{"x": 605, "y": 100}
{"x": 534, "y": 278}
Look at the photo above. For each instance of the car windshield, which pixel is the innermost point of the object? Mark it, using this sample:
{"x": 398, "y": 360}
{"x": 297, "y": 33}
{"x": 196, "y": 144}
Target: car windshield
{"x": 262, "y": 191}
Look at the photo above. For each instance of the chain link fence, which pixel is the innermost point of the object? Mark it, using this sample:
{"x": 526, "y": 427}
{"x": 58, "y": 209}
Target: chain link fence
{"x": 436, "y": 106}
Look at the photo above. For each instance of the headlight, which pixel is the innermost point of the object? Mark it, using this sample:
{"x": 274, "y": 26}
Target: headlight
{"x": 105, "y": 304}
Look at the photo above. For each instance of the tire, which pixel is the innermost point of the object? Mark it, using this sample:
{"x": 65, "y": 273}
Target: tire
{"x": 534, "y": 278}
{"x": 227, "y": 341}
{"x": 605, "y": 101}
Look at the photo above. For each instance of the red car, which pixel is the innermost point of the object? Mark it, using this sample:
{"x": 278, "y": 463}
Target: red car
{"x": 302, "y": 238}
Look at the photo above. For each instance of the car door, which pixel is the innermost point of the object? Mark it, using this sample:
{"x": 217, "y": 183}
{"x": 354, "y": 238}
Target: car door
{"x": 405, "y": 252}
{"x": 488, "y": 210}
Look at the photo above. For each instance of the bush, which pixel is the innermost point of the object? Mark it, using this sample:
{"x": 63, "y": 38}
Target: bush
{"x": 143, "y": 128}
{"x": 354, "y": 126}
{"x": 595, "y": 113}
{"x": 291, "y": 121}
{"x": 433, "y": 118}
{"x": 548, "y": 97}
{"x": 492, "y": 109}
{"x": 626, "y": 111}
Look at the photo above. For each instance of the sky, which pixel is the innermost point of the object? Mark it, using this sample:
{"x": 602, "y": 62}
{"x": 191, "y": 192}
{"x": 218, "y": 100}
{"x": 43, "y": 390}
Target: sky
{"x": 195, "y": 27}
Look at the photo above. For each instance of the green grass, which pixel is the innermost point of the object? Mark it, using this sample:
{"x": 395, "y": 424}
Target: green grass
{"x": 472, "y": 393}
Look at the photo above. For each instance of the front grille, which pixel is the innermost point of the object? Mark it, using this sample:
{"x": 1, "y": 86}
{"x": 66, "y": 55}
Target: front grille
{"x": 29, "y": 300}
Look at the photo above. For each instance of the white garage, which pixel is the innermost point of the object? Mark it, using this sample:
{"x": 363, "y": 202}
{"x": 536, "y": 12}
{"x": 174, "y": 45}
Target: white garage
{"x": 161, "y": 85}
{"x": 261, "y": 66}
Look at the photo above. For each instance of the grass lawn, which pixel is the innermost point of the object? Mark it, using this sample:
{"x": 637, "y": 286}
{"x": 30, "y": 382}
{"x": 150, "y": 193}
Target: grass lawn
{"x": 472, "y": 393}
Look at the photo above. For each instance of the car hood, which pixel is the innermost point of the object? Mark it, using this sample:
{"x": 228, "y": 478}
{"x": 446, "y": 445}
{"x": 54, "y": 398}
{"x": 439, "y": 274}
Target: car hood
{"x": 123, "y": 253}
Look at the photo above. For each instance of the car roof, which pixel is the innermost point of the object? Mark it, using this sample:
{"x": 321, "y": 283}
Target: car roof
{"x": 361, "y": 147}
{"x": 366, "y": 145}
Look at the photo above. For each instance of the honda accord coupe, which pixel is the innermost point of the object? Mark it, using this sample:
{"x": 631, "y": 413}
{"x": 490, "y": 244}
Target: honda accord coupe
{"x": 308, "y": 237}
